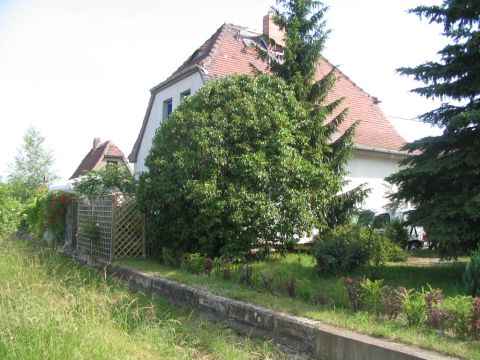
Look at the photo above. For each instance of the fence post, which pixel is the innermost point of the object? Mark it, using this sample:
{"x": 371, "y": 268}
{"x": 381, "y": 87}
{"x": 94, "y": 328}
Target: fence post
{"x": 92, "y": 202}
{"x": 114, "y": 226}
{"x": 77, "y": 235}
{"x": 144, "y": 238}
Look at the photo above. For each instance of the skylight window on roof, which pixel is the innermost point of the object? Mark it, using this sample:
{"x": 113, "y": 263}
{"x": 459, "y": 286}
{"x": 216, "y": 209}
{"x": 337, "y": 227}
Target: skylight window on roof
{"x": 249, "y": 33}
{"x": 196, "y": 54}
{"x": 249, "y": 43}
{"x": 252, "y": 43}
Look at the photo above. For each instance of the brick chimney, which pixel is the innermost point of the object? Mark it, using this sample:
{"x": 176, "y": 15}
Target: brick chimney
{"x": 272, "y": 31}
{"x": 96, "y": 142}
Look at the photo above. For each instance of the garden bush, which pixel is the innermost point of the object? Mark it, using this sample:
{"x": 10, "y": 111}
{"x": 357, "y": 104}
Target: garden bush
{"x": 238, "y": 168}
{"x": 34, "y": 213}
{"x": 10, "y": 212}
{"x": 193, "y": 263}
{"x": 354, "y": 292}
{"x": 414, "y": 307}
{"x": 476, "y": 317}
{"x": 105, "y": 181}
{"x": 391, "y": 301}
{"x": 170, "y": 257}
{"x": 343, "y": 250}
{"x": 460, "y": 309}
{"x": 437, "y": 317}
{"x": 352, "y": 245}
{"x": 47, "y": 213}
{"x": 397, "y": 233}
{"x": 471, "y": 277}
{"x": 390, "y": 251}
{"x": 371, "y": 294}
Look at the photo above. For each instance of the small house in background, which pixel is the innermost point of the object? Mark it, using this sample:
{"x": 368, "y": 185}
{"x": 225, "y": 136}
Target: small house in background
{"x": 100, "y": 156}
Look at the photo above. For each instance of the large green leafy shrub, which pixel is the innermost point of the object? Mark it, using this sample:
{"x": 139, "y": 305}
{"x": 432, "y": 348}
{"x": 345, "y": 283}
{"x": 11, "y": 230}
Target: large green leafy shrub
{"x": 35, "y": 213}
{"x": 389, "y": 250}
{"x": 352, "y": 245}
{"x": 371, "y": 295}
{"x": 414, "y": 307}
{"x": 10, "y": 212}
{"x": 239, "y": 166}
{"x": 460, "y": 309}
{"x": 47, "y": 212}
{"x": 397, "y": 232}
{"x": 105, "y": 181}
{"x": 344, "y": 249}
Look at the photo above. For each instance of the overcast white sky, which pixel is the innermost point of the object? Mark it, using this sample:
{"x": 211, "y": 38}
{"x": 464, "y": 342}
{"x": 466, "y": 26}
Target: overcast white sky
{"x": 79, "y": 69}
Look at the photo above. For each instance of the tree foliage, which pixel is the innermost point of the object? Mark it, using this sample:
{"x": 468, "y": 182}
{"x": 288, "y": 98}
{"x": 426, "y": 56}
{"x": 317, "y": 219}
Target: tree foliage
{"x": 105, "y": 181}
{"x": 32, "y": 167}
{"x": 442, "y": 174}
{"x": 232, "y": 170}
{"x": 34, "y": 214}
{"x": 304, "y": 25}
{"x": 10, "y": 212}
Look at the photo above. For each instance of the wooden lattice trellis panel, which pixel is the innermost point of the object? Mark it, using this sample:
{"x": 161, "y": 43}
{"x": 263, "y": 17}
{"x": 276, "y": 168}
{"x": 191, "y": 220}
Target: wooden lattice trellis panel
{"x": 120, "y": 226}
{"x": 129, "y": 228}
{"x": 99, "y": 211}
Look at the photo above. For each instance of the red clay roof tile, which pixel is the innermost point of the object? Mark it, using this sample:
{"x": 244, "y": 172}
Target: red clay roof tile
{"x": 225, "y": 53}
{"x": 95, "y": 156}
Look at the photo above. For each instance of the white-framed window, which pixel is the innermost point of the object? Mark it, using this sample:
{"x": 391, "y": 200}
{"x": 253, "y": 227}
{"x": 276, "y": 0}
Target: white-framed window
{"x": 184, "y": 94}
{"x": 167, "y": 108}
{"x": 112, "y": 163}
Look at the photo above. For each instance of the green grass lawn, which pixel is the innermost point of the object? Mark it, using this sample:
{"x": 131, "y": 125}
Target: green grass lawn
{"x": 445, "y": 276}
{"x": 51, "y": 308}
{"x": 424, "y": 253}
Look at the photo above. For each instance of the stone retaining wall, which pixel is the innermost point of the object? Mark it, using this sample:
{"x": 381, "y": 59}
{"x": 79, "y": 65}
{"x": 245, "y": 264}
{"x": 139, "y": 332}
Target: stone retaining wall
{"x": 312, "y": 337}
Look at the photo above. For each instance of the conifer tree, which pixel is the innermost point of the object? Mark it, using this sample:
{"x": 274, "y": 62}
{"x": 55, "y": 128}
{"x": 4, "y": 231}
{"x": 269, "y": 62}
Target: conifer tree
{"x": 304, "y": 25}
{"x": 441, "y": 177}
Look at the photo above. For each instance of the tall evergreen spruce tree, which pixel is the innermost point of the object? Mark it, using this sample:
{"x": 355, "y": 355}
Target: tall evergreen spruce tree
{"x": 304, "y": 25}
{"x": 442, "y": 174}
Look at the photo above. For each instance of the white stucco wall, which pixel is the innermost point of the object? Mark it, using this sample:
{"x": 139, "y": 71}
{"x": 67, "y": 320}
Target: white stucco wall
{"x": 192, "y": 82}
{"x": 371, "y": 167}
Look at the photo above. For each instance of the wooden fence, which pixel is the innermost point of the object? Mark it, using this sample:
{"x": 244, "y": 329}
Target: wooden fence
{"x": 118, "y": 227}
{"x": 71, "y": 223}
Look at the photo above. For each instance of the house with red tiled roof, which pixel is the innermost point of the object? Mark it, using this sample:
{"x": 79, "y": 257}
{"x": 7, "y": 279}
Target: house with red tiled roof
{"x": 230, "y": 50}
{"x": 102, "y": 155}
